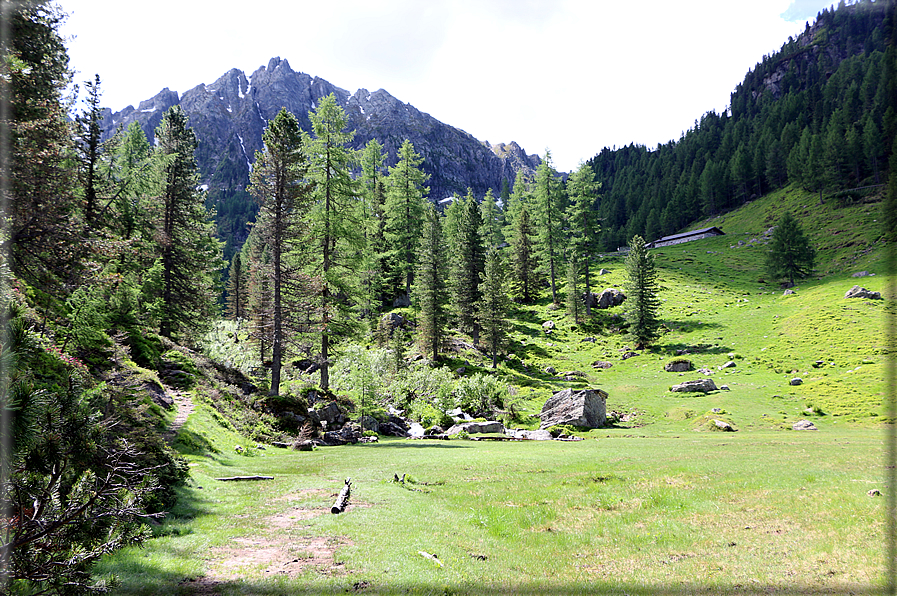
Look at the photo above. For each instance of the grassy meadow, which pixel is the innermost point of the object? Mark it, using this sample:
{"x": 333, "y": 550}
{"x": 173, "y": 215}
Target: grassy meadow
{"x": 657, "y": 503}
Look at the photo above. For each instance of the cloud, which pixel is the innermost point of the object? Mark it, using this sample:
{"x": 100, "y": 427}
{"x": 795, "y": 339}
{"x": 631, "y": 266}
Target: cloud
{"x": 804, "y": 10}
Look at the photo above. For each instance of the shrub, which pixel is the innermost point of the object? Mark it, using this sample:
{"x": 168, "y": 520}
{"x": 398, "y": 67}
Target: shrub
{"x": 480, "y": 395}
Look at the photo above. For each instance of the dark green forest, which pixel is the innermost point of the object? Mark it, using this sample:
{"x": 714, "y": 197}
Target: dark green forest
{"x": 115, "y": 264}
{"x": 819, "y": 114}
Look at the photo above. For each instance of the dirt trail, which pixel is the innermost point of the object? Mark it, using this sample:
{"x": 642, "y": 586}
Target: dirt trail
{"x": 185, "y": 408}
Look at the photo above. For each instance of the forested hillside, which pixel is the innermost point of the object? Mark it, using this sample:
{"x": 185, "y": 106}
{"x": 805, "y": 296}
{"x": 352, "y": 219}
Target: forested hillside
{"x": 819, "y": 113}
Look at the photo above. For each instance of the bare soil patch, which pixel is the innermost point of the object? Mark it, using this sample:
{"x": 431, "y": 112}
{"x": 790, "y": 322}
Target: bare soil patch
{"x": 275, "y": 551}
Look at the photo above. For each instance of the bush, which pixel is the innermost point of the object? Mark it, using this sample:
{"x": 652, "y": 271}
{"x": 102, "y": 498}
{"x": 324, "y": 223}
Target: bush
{"x": 480, "y": 395}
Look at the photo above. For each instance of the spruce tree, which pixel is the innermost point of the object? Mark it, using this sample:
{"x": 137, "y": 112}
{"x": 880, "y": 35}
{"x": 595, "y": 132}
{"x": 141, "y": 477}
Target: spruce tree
{"x": 468, "y": 265}
{"x": 641, "y": 295}
{"x": 236, "y": 289}
{"x": 429, "y": 292}
{"x": 491, "y": 231}
{"x": 404, "y": 212}
{"x": 573, "y": 303}
{"x": 335, "y": 232}
{"x": 494, "y": 305}
{"x": 190, "y": 254}
{"x": 790, "y": 254}
{"x": 277, "y": 183}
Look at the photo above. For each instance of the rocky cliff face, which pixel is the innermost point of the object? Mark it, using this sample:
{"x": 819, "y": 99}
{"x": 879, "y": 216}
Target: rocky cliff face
{"x": 229, "y": 116}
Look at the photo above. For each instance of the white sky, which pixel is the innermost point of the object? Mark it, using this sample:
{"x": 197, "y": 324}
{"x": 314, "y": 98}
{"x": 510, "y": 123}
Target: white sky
{"x": 571, "y": 76}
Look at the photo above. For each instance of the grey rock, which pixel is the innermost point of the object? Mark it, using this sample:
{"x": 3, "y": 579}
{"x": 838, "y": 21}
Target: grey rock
{"x": 401, "y": 301}
{"x": 860, "y": 274}
{"x": 788, "y": 292}
{"x": 873, "y": 492}
{"x": 610, "y": 297}
{"x": 391, "y": 321}
{"x": 551, "y": 370}
{"x": 705, "y": 371}
{"x": 628, "y": 355}
{"x": 472, "y": 428}
{"x": 858, "y": 292}
{"x": 602, "y": 364}
{"x": 680, "y": 365}
{"x": 391, "y": 429}
{"x": 723, "y": 426}
{"x": 724, "y": 388}
{"x": 729, "y": 364}
{"x": 803, "y": 425}
{"x": 695, "y": 386}
{"x": 548, "y": 325}
{"x": 796, "y": 381}
{"x": 603, "y": 271}
{"x": 530, "y": 435}
{"x": 584, "y": 407}
{"x": 370, "y": 423}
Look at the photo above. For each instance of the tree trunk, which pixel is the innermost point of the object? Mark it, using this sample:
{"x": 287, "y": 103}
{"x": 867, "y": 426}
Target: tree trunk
{"x": 342, "y": 500}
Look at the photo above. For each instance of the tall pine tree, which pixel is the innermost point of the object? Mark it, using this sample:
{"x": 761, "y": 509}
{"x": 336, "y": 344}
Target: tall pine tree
{"x": 468, "y": 265}
{"x": 404, "y": 212}
{"x": 641, "y": 291}
{"x": 583, "y": 225}
{"x": 494, "y": 305}
{"x": 430, "y": 285}
{"x": 548, "y": 202}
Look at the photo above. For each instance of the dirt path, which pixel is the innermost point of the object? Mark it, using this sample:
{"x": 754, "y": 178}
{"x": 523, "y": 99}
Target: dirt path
{"x": 185, "y": 408}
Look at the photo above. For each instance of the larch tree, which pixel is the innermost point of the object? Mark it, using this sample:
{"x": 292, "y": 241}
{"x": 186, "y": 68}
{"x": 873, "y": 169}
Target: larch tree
{"x": 373, "y": 220}
{"x": 790, "y": 254}
{"x": 492, "y": 221}
{"x": 190, "y": 254}
{"x": 583, "y": 225}
{"x": 494, "y": 305}
{"x": 429, "y": 291}
{"x": 335, "y": 234}
{"x": 548, "y": 206}
{"x": 236, "y": 289}
{"x": 278, "y": 183}
{"x": 641, "y": 295}
{"x": 404, "y": 211}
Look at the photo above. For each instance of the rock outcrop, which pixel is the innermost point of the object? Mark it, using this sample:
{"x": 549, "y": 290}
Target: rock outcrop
{"x": 858, "y": 292}
{"x": 695, "y": 386}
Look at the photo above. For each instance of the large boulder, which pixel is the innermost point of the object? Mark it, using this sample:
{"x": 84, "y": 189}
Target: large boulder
{"x": 695, "y": 386}
{"x": 610, "y": 297}
{"x": 858, "y": 292}
{"x": 583, "y": 407}
{"x": 473, "y": 428}
{"x": 679, "y": 365}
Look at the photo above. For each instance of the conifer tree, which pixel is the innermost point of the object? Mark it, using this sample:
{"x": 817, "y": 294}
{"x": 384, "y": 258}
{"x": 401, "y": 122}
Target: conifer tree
{"x": 190, "y": 254}
{"x": 523, "y": 266}
{"x": 236, "y": 289}
{"x": 468, "y": 265}
{"x": 548, "y": 201}
{"x": 574, "y": 275}
{"x": 430, "y": 285}
{"x": 583, "y": 225}
{"x": 283, "y": 197}
{"x": 373, "y": 268}
{"x": 494, "y": 305}
{"x": 492, "y": 221}
{"x": 641, "y": 295}
{"x": 335, "y": 232}
{"x": 404, "y": 211}
{"x": 259, "y": 303}
{"x": 790, "y": 254}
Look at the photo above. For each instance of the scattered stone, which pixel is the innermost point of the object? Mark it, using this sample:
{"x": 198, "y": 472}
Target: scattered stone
{"x": 402, "y": 301}
{"x": 697, "y": 385}
{"x": 370, "y": 423}
{"x": 858, "y": 292}
{"x": 724, "y": 388}
{"x": 874, "y": 493}
{"x": 717, "y": 410}
{"x": 705, "y": 371}
{"x": 548, "y": 325}
{"x": 461, "y": 370}
{"x": 529, "y": 435}
{"x": 818, "y": 363}
{"x": 803, "y": 425}
{"x": 302, "y": 446}
{"x": 434, "y": 430}
{"x": 551, "y": 370}
{"x": 729, "y": 364}
{"x": 860, "y": 274}
{"x": 629, "y": 355}
{"x": 679, "y": 365}
{"x": 584, "y": 407}
{"x": 392, "y": 321}
{"x": 476, "y": 427}
{"x": 788, "y": 292}
{"x": 796, "y": 381}
{"x": 602, "y": 364}
{"x": 723, "y": 426}
{"x": 603, "y": 272}
{"x": 588, "y": 339}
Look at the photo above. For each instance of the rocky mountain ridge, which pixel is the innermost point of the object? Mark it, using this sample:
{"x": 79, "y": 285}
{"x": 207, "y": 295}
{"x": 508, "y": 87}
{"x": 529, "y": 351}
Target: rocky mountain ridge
{"x": 229, "y": 116}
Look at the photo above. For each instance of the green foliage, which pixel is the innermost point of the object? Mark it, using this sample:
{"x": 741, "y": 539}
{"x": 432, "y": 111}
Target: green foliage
{"x": 480, "y": 395}
{"x": 494, "y": 307}
{"x": 404, "y": 212}
{"x": 467, "y": 266}
{"x": 548, "y": 203}
{"x": 790, "y": 254}
{"x": 429, "y": 292}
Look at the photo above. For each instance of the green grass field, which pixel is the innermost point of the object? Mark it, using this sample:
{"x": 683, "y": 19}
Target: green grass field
{"x": 658, "y": 504}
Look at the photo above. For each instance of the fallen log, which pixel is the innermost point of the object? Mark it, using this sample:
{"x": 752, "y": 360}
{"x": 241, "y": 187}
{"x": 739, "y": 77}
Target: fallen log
{"x": 231, "y": 478}
{"x": 342, "y": 499}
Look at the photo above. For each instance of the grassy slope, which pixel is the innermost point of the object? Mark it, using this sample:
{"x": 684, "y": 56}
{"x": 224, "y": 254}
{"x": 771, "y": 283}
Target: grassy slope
{"x": 646, "y": 507}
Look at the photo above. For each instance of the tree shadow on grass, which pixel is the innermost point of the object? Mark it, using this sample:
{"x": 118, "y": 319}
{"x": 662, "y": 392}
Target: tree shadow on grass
{"x": 417, "y": 444}
{"x": 689, "y": 325}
